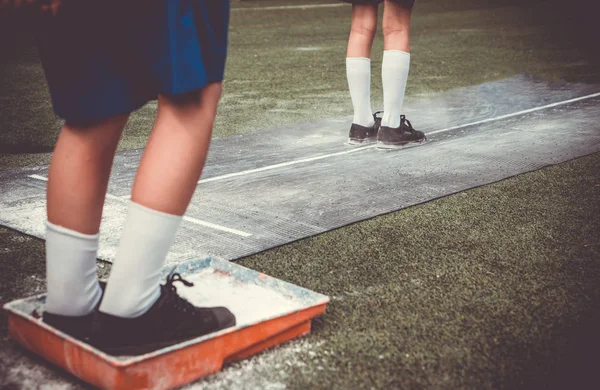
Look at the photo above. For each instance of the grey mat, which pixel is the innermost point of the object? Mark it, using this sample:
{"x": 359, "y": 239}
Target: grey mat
{"x": 278, "y": 185}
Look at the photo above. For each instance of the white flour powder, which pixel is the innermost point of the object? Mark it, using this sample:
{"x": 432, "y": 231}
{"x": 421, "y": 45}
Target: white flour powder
{"x": 248, "y": 302}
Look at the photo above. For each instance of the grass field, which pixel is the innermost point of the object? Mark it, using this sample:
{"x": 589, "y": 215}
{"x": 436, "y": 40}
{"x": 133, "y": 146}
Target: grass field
{"x": 496, "y": 287}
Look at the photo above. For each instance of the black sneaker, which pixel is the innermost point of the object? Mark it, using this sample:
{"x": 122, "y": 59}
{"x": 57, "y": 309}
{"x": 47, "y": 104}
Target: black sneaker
{"x": 169, "y": 321}
{"x": 79, "y": 327}
{"x": 403, "y": 136}
{"x": 363, "y": 134}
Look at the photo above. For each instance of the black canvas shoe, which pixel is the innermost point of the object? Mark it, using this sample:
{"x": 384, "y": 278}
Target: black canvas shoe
{"x": 169, "y": 321}
{"x": 79, "y": 327}
{"x": 363, "y": 134}
{"x": 403, "y": 136}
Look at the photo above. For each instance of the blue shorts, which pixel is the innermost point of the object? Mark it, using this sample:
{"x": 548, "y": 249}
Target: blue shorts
{"x": 110, "y": 57}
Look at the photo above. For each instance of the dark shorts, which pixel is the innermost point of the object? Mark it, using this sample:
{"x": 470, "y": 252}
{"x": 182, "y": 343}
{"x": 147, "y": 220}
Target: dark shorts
{"x": 107, "y": 58}
{"x": 408, "y": 3}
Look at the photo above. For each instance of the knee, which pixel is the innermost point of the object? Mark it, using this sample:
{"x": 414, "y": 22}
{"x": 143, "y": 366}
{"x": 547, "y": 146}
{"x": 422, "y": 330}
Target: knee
{"x": 394, "y": 29}
{"x": 367, "y": 29}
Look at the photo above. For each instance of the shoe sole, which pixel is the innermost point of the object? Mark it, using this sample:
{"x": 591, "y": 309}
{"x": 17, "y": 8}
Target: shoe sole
{"x": 136, "y": 350}
{"x": 139, "y": 350}
{"x": 356, "y": 142}
{"x": 382, "y": 146}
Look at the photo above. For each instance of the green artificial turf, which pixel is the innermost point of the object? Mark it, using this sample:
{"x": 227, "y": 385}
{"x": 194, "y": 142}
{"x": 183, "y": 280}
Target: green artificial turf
{"x": 485, "y": 288}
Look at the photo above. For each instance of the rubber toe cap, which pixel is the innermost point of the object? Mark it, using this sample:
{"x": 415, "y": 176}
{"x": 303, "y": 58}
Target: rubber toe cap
{"x": 225, "y": 318}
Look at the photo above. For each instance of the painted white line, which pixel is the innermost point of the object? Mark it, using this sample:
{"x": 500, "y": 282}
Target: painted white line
{"x": 217, "y": 227}
{"x": 284, "y": 7}
{"x": 497, "y": 118}
{"x": 189, "y": 219}
{"x": 280, "y": 165}
{"x": 38, "y": 177}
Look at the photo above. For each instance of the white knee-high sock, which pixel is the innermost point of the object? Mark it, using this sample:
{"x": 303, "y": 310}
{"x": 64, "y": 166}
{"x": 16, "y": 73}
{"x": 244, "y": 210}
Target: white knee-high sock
{"x": 394, "y": 74}
{"x": 358, "y": 72}
{"x": 133, "y": 285}
{"x": 71, "y": 277}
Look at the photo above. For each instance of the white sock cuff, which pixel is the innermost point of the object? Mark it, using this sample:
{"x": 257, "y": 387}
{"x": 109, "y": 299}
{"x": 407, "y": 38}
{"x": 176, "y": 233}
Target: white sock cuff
{"x": 358, "y": 59}
{"x": 398, "y": 53}
{"x": 140, "y": 209}
{"x": 71, "y": 233}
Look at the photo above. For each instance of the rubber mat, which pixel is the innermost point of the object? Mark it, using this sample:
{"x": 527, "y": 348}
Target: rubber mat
{"x": 279, "y": 185}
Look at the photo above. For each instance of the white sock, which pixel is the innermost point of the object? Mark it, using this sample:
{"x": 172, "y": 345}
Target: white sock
{"x": 394, "y": 74}
{"x": 133, "y": 286}
{"x": 71, "y": 277}
{"x": 358, "y": 72}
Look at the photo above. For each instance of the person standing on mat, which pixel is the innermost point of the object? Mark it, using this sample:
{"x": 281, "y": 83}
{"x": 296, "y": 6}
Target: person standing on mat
{"x": 392, "y": 130}
{"x": 103, "y": 60}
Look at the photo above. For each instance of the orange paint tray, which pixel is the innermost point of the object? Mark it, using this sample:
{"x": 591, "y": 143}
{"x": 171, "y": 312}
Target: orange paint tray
{"x": 268, "y": 312}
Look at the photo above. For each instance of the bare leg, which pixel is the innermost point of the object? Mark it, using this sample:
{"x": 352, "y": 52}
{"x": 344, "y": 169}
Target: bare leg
{"x": 358, "y": 67}
{"x": 362, "y": 30}
{"x": 396, "y": 26}
{"x": 79, "y": 173}
{"x": 174, "y": 158}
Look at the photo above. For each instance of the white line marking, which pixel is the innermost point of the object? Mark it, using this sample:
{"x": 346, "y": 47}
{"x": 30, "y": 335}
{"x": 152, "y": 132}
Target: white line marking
{"x": 189, "y": 219}
{"x": 38, "y": 177}
{"x": 284, "y": 164}
{"x": 284, "y": 7}
{"x": 218, "y": 227}
{"x": 497, "y": 118}
{"x": 294, "y": 162}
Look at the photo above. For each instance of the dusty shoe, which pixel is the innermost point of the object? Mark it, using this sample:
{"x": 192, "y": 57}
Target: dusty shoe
{"x": 79, "y": 327}
{"x": 364, "y": 134}
{"x": 169, "y": 321}
{"x": 402, "y": 136}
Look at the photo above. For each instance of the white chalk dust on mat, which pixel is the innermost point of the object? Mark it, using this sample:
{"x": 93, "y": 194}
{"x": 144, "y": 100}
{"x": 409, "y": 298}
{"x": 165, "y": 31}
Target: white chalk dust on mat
{"x": 270, "y": 370}
{"x": 249, "y": 302}
{"x": 23, "y": 373}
